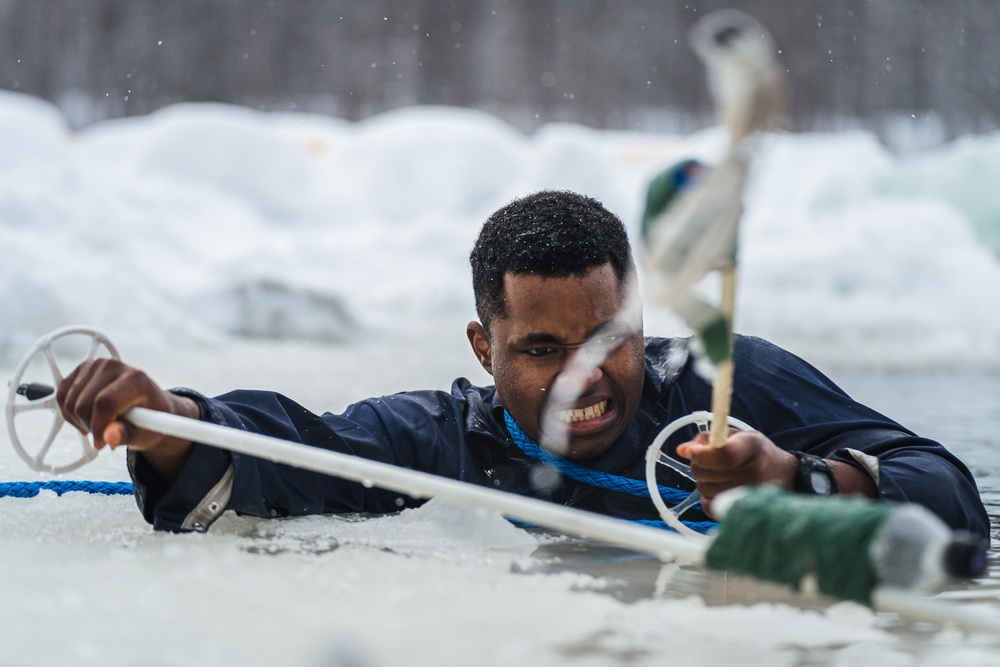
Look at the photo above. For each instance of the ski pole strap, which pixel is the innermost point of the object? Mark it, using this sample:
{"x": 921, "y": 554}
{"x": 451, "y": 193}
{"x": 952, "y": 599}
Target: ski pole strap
{"x": 597, "y": 478}
{"x": 32, "y": 489}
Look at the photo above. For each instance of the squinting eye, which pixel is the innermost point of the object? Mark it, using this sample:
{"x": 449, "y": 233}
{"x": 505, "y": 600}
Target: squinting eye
{"x": 608, "y": 341}
{"x": 539, "y": 351}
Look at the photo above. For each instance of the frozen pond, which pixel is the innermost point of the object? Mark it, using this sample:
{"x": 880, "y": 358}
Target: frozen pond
{"x": 92, "y": 584}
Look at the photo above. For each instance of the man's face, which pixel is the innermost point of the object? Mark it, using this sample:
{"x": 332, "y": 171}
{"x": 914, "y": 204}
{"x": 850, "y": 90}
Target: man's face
{"x": 548, "y": 319}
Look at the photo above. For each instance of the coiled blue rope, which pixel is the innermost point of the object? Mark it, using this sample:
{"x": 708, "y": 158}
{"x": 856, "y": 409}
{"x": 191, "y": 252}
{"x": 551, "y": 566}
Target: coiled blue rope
{"x": 32, "y": 489}
{"x": 600, "y": 478}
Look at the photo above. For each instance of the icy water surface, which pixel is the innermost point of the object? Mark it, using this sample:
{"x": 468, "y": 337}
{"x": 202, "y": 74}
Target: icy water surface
{"x": 88, "y": 583}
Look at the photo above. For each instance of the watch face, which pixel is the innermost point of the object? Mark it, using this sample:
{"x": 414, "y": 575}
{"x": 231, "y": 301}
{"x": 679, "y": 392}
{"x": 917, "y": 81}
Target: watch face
{"x": 820, "y": 483}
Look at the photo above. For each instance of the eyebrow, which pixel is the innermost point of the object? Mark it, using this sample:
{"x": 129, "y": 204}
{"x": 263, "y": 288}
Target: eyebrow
{"x": 540, "y": 338}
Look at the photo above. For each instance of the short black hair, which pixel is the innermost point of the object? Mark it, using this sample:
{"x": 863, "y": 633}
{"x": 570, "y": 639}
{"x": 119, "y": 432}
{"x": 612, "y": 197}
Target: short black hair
{"x": 553, "y": 234}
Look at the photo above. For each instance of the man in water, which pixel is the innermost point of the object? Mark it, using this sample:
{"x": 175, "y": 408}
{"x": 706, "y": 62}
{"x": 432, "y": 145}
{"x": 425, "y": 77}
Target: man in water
{"x": 551, "y": 272}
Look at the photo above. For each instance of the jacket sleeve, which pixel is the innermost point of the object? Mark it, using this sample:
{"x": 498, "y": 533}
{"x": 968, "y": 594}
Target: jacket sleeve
{"x": 420, "y": 430}
{"x": 802, "y": 410}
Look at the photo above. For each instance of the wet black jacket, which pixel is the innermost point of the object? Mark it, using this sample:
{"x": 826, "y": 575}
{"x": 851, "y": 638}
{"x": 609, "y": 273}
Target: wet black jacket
{"x": 460, "y": 434}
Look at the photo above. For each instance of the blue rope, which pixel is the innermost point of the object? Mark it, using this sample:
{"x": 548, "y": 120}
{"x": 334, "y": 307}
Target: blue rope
{"x": 599, "y": 478}
{"x": 32, "y": 489}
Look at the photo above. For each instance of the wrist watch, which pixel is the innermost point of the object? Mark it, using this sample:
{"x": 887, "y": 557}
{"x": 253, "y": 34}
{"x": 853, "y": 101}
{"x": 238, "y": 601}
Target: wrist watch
{"x": 814, "y": 476}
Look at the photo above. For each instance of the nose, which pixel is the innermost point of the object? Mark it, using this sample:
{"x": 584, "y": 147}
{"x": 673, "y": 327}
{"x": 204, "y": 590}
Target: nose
{"x": 576, "y": 379}
{"x": 596, "y": 373}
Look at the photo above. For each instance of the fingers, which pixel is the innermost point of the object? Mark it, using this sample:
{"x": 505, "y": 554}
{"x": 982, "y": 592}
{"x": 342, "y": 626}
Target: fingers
{"x": 62, "y": 396}
{"x": 747, "y": 458}
{"x": 116, "y": 434}
{"x": 700, "y": 452}
{"x": 97, "y": 393}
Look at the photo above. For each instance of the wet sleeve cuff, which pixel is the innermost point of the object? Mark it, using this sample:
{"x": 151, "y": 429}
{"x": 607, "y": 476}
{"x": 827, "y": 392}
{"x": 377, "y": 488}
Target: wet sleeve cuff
{"x": 201, "y": 491}
{"x": 867, "y": 463}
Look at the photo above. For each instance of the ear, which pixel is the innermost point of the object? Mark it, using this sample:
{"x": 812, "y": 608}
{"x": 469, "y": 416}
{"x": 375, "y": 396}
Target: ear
{"x": 480, "y": 342}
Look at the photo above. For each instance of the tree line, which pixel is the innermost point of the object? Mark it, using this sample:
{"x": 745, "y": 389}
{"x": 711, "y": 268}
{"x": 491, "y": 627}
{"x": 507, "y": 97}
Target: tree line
{"x": 605, "y": 63}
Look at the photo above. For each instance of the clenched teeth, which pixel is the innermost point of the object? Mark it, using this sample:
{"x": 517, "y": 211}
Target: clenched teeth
{"x": 581, "y": 414}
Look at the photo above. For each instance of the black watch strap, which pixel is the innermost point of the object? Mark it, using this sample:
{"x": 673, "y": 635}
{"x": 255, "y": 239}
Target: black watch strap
{"x": 814, "y": 476}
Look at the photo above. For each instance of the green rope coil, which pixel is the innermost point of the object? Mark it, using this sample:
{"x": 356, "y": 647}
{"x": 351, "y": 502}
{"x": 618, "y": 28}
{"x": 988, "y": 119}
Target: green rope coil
{"x": 784, "y": 537}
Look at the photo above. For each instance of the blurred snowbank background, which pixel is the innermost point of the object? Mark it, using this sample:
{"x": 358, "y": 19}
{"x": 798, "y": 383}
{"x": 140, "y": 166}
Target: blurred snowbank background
{"x": 203, "y": 222}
